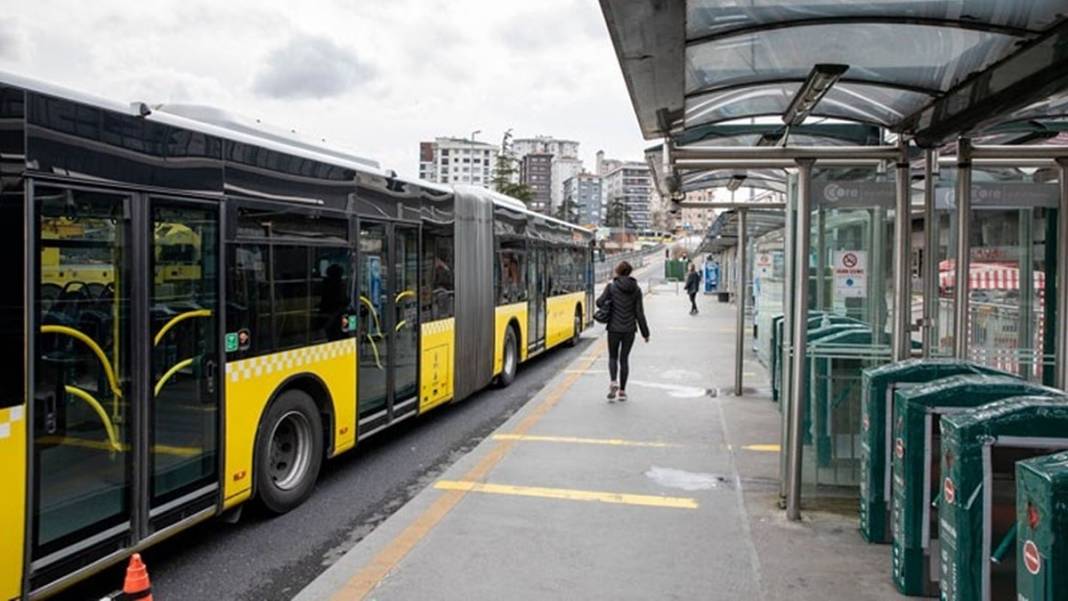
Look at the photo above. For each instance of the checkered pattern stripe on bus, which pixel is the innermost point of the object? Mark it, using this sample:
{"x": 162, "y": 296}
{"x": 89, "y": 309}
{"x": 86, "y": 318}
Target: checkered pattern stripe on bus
{"x": 442, "y": 326}
{"x": 10, "y": 416}
{"x": 306, "y": 357}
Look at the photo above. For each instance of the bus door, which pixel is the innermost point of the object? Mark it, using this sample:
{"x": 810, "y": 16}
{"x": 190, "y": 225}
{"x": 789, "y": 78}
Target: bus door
{"x": 536, "y": 283}
{"x": 388, "y": 325}
{"x": 183, "y": 407}
{"x": 125, "y": 400}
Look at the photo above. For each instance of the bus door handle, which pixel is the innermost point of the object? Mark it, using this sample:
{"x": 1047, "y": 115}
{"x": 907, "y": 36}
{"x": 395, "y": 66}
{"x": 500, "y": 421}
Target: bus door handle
{"x": 51, "y": 415}
{"x": 210, "y": 370}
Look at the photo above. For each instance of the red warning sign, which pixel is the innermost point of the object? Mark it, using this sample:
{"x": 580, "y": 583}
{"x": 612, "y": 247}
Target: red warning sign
{"x": 949, "y": 491}
{"x": 1031, "y": 559}
{"x": 849, "y": 260}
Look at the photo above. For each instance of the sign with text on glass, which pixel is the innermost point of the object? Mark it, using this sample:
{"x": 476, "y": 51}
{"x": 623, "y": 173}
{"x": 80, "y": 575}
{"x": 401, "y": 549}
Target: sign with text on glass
{"x": 850, "y": 273}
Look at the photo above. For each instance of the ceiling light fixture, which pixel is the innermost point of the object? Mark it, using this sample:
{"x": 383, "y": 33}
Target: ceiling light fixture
{"x": 736, "y": 182}
{"x": 820, "y": 81}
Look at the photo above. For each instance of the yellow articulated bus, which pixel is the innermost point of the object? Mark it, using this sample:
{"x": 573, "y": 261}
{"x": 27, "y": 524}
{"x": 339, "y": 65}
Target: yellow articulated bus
{"x": 206, "y": 313}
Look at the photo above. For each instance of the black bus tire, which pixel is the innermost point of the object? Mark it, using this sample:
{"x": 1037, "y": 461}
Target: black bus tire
{"x": 509, "y": 358}
{"x": 576, "y": 329}
{"x": 289, "y": 451}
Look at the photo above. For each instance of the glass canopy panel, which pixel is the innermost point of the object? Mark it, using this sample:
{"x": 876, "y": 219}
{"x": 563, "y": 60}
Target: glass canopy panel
{"x": 854, "y": 102}
{"x": 714, "y": 17}
{"x": 1054, "y": 106}
{"x": 763, "y": 179}
{"x": 917, "y": 56}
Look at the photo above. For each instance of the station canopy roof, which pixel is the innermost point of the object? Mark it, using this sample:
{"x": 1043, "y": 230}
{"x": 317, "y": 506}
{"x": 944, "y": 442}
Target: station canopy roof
{"x": 722, "y": 234}
{"x": 931, "y": 70}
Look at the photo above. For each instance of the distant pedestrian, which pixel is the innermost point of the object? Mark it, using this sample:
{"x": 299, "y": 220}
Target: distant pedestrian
{"x": 622, "y": 300}
{"x": 693, "y": 284}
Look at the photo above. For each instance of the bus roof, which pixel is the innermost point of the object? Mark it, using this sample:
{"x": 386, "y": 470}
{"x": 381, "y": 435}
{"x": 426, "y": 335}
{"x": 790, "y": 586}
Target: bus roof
{"x": 223, "y": 124}
{"x": 516, "y": 205}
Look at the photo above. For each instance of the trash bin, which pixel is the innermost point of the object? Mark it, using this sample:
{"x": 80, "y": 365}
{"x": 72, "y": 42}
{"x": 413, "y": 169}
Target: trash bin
{"x": 917, "y": 480}
{"x": 675, "y": 269}
{"x": 977, "y": 508}
{"x": 1041, "y": 528}
{"x": 876, "y": 405}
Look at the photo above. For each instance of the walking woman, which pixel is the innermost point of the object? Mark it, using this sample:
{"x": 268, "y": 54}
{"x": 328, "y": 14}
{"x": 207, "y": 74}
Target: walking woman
{"x": 693, "y": 284}
{"x": 622, "y": 299}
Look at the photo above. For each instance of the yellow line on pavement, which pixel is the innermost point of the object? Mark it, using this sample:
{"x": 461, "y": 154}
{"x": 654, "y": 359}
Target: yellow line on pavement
{"x": 616, "y": 442}
{"x": 763, "y": 448}
{"x": 364, "y": 581}
{"x": 566, "y": 494}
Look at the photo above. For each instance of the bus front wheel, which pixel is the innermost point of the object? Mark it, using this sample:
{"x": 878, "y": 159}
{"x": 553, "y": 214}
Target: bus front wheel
{"x": 289, "y": 451}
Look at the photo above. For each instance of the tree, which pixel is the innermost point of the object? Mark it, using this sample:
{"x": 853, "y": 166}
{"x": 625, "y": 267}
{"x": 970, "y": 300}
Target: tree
{"x": 568, "y": 211}
{"x": 617, "y": 215}
{"x": 505, "y": 169}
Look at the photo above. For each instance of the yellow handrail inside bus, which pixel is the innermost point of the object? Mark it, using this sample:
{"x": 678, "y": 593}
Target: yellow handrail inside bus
{"x": 374, "y": 349}
{"x": 99, "y": 409}
{"x": 178, "y": 319}
{"x": 93, "y": 346}
{"x": 400, "y": 325}
{"x": 374, "y": 314}
{"x": 404, "y": 294}
{"x": 170, "y": 373}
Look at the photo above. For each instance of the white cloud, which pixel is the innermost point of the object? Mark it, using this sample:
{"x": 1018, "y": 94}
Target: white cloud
{"x": 310, "y": 67}
{"x": 375, "y": 77}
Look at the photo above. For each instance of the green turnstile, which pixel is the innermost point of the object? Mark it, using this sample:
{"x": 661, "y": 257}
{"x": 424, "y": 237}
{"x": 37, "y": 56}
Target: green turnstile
{"x": 916, "y": 477}
{"x": 816, "y": 320}
{"x": 876, "y": 409}
{"x": 977, "y": 510}
{"x": 1042, "y": 528}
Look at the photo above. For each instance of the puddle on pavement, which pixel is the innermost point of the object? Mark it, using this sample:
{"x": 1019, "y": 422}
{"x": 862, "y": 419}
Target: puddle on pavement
{"x": 681, "y": 479}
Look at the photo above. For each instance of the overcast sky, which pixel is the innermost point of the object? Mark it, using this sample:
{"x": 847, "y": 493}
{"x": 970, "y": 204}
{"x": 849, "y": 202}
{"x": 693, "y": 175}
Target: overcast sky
{"x": 373, "y": 76}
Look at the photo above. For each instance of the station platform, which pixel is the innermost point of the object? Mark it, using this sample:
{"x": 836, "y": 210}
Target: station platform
{"x": 670, "y": 495}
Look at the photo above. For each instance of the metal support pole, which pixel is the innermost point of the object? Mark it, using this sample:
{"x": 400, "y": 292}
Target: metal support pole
{"x": 964, "y": 228}
{"x": 821, "y": 262}
{"x": 902, "y": 325}
{"x": 798, "y": 384}
{"x": 739, "y": 295}
{"x": 1061, "y": 351}
{"x": 785, "y": 357}
{"x": 877, "y": 280}
{"x": 1025, "y": 336}
{"x": 930, "y": 256}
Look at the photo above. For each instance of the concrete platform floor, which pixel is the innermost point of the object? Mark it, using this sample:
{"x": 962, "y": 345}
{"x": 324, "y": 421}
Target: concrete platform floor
{"x": 671, "y": 495}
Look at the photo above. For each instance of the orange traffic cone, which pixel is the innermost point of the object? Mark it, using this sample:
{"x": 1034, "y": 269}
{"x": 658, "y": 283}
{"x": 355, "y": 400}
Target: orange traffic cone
{"x": 137, "y": 586}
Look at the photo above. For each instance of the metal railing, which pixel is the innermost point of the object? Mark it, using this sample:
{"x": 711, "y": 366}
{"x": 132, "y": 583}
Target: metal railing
{"x": 602, "y": 271}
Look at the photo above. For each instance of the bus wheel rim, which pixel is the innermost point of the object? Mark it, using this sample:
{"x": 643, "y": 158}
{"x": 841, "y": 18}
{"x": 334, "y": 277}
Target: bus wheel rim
{"x": 289, "y": 453}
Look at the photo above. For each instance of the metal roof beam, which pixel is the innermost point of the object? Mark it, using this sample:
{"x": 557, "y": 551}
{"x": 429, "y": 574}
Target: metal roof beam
{"x": 860, "y": 134}
{"x": 860, "y": 81}
{"x": 1033, "y": 73}
{"x": 861, "y": 20}
{"x": 788, "y": 152}
{"x": 749, "y": 206}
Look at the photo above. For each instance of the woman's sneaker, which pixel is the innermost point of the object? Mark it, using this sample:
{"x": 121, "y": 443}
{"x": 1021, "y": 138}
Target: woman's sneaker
{"x": 622, "y": 395}
{"x": 612, "y": 388}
